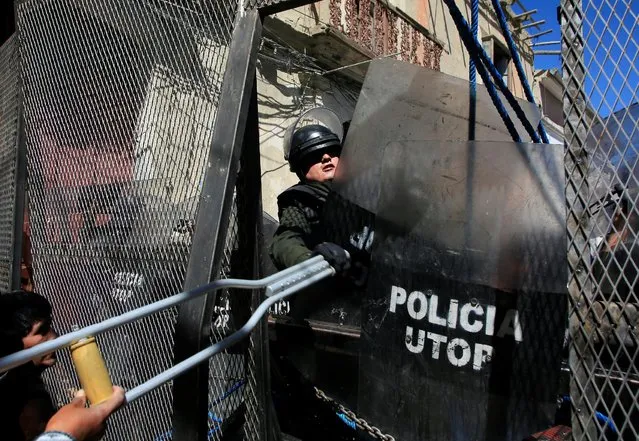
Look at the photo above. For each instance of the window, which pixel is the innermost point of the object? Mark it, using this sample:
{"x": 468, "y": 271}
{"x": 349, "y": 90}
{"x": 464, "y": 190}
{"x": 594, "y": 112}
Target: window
{"x": 499, "y": 54}
{"x": 501, "y": 59}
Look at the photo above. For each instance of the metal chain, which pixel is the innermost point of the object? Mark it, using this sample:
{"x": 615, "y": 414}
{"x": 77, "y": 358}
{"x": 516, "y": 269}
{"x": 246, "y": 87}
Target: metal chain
{"x": 360, "y": 422}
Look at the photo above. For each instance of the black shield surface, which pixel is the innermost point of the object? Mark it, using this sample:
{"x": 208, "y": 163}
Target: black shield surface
{"x": 465, "y": 310}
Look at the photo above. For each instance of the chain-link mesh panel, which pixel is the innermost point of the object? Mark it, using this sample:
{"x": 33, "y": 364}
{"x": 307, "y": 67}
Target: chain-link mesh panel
{"x": 600, "y": 45}
{"x": 120, "y": 103}
{"x": 255, "y": 412}
{"x": 228, "y": 374}
{"x": 9, "y": 108}
{"x": 236, "y": 389}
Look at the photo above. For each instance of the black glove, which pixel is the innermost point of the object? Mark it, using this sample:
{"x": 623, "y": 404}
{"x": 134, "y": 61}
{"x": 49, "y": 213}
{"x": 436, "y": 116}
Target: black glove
{"x": 336, "y": 256}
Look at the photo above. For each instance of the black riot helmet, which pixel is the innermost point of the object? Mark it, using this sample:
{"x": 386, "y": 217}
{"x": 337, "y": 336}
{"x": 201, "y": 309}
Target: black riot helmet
{"x": 315, "y": 130}
{"x": 310, "y": 139}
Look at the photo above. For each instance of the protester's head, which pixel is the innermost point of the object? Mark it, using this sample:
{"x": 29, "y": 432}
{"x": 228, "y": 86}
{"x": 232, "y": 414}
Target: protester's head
{"x": 25, "y": 321}
{"x": 314, "y": 153}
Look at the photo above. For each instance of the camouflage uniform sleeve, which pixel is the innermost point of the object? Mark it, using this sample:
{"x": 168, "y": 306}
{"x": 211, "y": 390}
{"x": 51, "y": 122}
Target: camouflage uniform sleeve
{"x": 288, "y": 247}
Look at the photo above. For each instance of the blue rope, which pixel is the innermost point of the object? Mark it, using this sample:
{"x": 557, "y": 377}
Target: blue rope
{"x": 494, "y": 96}
{"x": 482, "y": 61}
{"x": 607, "y": 421}
{"x": 472, "y": 74}
{"x": 226, "y": 394}
{"x": 492, "y": 91}
{"x": 168, "y": 436}
{"x": 520, "y": 68}
{"x": 350, "y": 423}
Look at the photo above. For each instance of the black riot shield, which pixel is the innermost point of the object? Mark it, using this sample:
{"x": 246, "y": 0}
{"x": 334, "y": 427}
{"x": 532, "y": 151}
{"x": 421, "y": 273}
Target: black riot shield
{"x": 465, "y": 309}
{"x": 463, "y": 315}
{"x": 398, "y": 101}
{"x": 459, "y": 256}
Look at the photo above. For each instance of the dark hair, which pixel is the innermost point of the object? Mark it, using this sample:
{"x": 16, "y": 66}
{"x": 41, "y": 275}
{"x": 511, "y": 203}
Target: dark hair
{"x": 19, "y": 311}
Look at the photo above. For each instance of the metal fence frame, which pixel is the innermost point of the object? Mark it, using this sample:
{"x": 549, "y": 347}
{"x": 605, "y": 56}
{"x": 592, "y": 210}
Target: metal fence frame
{"x": 236, "y": 135}
{"x": 576, "y": 184}
{"x": 602, "y": 321}
{"x": 214, "y": 212}
{"x": 15, "y": 194}
{"x": 233, "y": 156}
{"x": 192, "y": 329}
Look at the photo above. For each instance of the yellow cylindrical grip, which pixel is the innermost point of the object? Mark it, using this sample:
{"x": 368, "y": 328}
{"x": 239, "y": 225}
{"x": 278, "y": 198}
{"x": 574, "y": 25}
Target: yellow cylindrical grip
{"x": 91, "y": 370}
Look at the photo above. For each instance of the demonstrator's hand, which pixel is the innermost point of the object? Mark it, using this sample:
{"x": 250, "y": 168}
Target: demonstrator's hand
{"x": 82, "y": 423}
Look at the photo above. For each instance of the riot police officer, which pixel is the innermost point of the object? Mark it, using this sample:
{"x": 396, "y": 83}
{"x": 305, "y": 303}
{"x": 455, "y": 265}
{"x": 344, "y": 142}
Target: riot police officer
{"x": 313, "y": 154}
{"x": 313, "y": 151}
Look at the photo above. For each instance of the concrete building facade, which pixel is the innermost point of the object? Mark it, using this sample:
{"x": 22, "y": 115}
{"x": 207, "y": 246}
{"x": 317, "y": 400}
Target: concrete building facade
{"x": 549, "y": 94}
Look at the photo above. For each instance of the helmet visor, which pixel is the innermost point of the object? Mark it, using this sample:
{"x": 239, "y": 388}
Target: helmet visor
{"x": 317, "y": 115}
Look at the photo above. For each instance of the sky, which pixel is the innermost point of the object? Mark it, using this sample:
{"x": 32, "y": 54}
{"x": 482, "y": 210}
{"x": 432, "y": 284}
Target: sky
{"x": 611, "y": 53}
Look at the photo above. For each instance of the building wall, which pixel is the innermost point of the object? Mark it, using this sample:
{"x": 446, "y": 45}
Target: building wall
{"x": 549, "y": 94}
{"x": 552, "y": 105}
{"x": 382, "y": 30}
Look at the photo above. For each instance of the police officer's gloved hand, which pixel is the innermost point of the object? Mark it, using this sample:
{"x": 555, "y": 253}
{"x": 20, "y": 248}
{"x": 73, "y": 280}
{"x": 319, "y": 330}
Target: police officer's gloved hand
{"x": 336, "y": 256}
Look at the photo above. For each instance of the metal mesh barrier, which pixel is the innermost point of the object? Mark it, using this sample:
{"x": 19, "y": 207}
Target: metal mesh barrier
{"x": 600, "y": 45}
{"x": 9, "y": 108}
{"x": 228, "y": 370}
{"x": 236, "y": 382}
{"x": 120, "y": 101}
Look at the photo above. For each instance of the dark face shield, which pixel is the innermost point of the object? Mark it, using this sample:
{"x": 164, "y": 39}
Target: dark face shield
{"x": 310, "y": 159}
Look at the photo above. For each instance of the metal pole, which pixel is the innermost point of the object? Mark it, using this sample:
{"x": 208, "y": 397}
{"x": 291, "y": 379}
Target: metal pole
{"x": 546, "y": 43}
{"x": 190, "y": 391}
{"x": 547, "y": 53}
{"x": 524, "y": 14}
{"x": 530, "y": 37}
{"x": 226, "y": 343}
{"x": 288, "y": 276}
{"x": 533, "y": 24}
